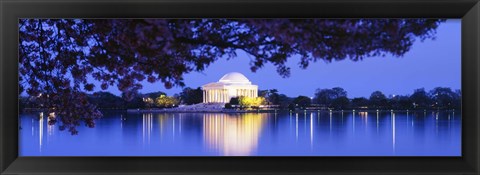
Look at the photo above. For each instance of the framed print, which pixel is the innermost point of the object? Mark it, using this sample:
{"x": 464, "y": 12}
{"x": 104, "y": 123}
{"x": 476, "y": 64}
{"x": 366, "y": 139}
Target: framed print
{"x": 233, "y": 87}
{"x": 114, "y": 102}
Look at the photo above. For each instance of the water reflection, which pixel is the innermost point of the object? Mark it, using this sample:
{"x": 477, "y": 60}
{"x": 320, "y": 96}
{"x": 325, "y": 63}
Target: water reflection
{"x": 147, "y": 127}
{"x": 331, "y": 133}
{"x": 311, "y": 130}
{"x": 50, "y": 128}
{"x": 40, "y": 131}
{"x": 296, "y": 127}
{"x": 377, "y": 120}
{"x": 393, "y": 131}
{"x": 233, "y": 135}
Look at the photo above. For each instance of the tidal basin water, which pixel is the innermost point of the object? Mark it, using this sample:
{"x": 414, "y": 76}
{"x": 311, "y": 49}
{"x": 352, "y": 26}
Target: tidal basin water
{"x": 307, "y": 133}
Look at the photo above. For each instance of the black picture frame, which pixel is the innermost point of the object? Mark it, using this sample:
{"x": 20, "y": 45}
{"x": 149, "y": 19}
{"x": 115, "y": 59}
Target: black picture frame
{"x": 12, "y": 10}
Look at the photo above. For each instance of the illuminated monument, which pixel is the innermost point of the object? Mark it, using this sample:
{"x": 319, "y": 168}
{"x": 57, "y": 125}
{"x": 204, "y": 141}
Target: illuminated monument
{"x": 231, "y": 85}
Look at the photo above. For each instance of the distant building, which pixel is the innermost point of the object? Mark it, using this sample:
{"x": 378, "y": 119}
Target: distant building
{"x": 231, "y": 85}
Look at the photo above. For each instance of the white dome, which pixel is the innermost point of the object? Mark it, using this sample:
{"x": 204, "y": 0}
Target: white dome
{"x": 234, "y": 77}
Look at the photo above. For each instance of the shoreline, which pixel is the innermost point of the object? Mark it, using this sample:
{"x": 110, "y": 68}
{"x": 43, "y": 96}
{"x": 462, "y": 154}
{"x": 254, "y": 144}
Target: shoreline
{"x": 278, "y": 110}
{"x": 175, "y": 110}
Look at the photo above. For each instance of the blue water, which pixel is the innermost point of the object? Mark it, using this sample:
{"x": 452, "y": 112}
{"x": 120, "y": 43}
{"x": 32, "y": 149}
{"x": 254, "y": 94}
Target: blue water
{"x": 310, "y": 133}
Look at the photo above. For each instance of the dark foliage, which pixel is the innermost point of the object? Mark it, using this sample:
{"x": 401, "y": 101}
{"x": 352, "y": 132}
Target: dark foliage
{"x": 234, "y": 101}
{"x": 154, "y": 95}
{"x": 420, "y": 99}
{"x": 445, "y": 98}
{"x": 328, "y": 97}
{"x": 191, "y": 96}
{"x": 302, "y": 102}
{"x": 57, "y": 55}
{"x": 106, "y": 100}
{"x": 360, "y": 102}
{"x": 378, "y": 100}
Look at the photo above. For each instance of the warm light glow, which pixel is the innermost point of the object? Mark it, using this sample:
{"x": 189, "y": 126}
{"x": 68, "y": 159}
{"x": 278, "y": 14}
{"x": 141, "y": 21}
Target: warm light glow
{"x": 147, "y": 127}
{"x": 363, "y": 114}
{"x": 233, "y": 135}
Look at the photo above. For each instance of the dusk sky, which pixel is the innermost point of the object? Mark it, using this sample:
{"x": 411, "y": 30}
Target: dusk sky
{"x": 428, "y": 64}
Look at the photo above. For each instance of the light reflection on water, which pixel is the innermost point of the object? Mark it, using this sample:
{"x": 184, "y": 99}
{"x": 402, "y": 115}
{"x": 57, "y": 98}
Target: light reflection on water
{"x": 232, "y": 135}
{"x": 307, "y": 133}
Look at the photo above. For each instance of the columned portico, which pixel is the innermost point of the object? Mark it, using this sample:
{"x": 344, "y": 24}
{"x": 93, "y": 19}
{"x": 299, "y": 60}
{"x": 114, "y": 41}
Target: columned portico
{"x": 230, "y": 85}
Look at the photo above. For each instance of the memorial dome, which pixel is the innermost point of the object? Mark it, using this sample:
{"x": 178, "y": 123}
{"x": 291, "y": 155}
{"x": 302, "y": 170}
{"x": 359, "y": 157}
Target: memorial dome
{"x": 234, "y": 77}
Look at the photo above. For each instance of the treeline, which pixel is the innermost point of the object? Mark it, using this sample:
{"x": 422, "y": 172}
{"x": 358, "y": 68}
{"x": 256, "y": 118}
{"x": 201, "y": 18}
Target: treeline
{"x": 437, "y": 98}
{"x": 336, "y": 98}
{"x": 107, "y": 100}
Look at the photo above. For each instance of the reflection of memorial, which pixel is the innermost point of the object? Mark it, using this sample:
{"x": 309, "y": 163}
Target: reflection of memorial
{"x": 147, "y": 127}
{"x": 233, "y": 135}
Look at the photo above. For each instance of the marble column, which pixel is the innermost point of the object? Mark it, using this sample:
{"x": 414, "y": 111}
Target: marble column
{"x": 215, "y": 97}
{"x": 224, "y": 96}
{"x": 209, "y": 96}
{"x": 220, "y": 94}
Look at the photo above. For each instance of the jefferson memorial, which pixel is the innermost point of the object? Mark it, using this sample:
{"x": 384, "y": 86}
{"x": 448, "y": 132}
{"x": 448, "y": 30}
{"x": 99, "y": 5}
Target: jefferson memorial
{"x": 231, "y": 85}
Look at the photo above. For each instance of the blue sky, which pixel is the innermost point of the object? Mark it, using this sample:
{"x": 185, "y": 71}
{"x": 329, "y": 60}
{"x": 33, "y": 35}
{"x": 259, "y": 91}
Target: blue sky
{"x": 428, "y": 64}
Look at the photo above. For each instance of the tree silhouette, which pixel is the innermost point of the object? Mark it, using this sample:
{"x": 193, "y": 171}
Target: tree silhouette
{"x": 378, "y": 99}
{"x": 57, "y": 55}
{"x": 444, "y": 97}
{"x": 302, "y": 101}
{"x": 105, "y": 100}
{"x": 360, "y": 102}
{"x": 340, "y": 102}
{"x": 191, "y": 96}
{"x": 271, "y": 96}
{"x": 420, "y": 98}
{"x": 328, "y": 97}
